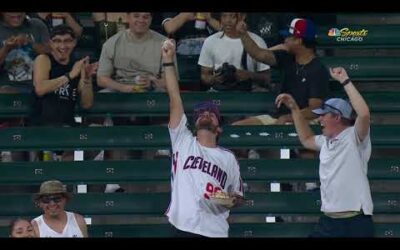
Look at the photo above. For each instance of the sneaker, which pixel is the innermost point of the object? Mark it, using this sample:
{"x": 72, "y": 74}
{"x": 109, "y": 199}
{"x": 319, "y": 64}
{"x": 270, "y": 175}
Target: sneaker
{"x": 253, "y": 154}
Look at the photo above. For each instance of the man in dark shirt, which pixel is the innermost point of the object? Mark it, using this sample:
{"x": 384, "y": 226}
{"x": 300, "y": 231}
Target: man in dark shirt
{"x": 303, "y": 74}
{"x": 21, "y": 40}
{"x": 59, "y": 81}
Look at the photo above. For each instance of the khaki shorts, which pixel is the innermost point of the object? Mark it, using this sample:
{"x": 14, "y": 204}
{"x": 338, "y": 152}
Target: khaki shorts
{"x": 269, "y": 120}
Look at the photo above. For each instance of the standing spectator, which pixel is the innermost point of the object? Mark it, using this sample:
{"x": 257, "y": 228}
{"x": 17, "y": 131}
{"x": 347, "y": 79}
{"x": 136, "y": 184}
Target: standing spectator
{"x": 55, "y": 222}
{"x": 108, "y": 24}
{"x": 268, "y": 24}
{"x": 345, "y": 150}
{"x": 22, "y": 38}
{"x": 21, "y": 228}
{"x": 224, "y": 48}
{"x": 185, "y": 29}
{"x": 53, "y": 19}
{"x": 200, "y": 168}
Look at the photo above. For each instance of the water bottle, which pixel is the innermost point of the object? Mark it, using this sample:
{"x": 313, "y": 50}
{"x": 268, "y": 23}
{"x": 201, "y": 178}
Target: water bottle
{"x": 201, "y": 21}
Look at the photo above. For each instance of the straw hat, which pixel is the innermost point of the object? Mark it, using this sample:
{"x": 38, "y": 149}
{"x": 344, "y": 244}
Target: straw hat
{"x": 52, "y": 187}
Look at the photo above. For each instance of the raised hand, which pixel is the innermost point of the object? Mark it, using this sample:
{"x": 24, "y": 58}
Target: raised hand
{"x": 76, "y": 69}
{"x": 11, "y": 43}
{"x": 339, "y": 74}
{"x": 241, "y": 26}
{"x": 287, "y": 100}
{"x": 168, "y": 50}
{"x": 90, "y": 68}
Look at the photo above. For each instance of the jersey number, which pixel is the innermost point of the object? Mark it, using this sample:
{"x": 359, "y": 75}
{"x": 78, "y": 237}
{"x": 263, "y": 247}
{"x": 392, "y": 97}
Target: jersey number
{"x": 210, "y": 189}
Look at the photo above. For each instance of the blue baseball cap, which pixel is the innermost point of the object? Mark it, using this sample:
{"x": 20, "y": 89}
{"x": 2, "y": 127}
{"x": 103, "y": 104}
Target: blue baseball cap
{"x": 301, "y": 28}
{"x": 336, "y": 106}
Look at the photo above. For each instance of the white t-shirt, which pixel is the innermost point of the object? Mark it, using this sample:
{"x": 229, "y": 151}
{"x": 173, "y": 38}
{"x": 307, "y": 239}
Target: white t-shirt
{"x": 196, "y": 172}
{"x": 343, "y": 172}
{"x": 71, "y": 229}
{"x": 217, "y": 50}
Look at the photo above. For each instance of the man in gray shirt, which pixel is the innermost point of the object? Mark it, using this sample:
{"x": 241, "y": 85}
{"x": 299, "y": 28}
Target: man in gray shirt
{"x": 130, "y": 61}
{"x": 345, "y": 150}
{"x": 22, "y": 38}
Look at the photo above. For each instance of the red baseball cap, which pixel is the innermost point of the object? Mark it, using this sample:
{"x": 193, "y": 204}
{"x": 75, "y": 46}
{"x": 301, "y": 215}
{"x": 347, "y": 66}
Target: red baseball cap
{"x": 301, "y": 28}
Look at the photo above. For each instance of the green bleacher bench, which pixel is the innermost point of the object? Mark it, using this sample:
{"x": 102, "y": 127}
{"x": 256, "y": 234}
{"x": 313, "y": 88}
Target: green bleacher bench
{"x": 367, "y": 68}
{"x": 359, "y": 36}
{"x": 281, "y": 203}
{"x": 240, "y": 230}
{"x": 245, "y": 230}
{"x": 157, "y": 104}
{"x": 157, "y": 137}
{"x": 139, "y": 171}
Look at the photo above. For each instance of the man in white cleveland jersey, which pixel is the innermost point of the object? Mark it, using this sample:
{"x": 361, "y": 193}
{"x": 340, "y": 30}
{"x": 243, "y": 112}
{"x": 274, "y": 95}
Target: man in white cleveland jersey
{"x": 56, "y": 222}
{"x": 200, "y": 168}
{"x": 344, "y": 153}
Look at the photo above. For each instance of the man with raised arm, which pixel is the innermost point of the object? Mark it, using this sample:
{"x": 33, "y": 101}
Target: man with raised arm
{"x": 344, "y": 153}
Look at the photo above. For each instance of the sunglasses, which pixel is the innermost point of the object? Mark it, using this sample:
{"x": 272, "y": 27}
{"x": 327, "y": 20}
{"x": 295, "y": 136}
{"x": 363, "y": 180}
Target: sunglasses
{"x": 48, "y": 199}
{"x": 331, "y": 109}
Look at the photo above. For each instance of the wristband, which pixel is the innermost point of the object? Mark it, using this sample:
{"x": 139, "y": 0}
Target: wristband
{"x": 168, "y": 64}
{"x": 345, "y": 82}
{"x": 69, "y": 78}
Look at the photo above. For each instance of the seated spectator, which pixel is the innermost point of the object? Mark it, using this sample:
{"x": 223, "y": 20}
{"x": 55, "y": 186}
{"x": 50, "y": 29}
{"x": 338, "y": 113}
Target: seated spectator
{"x": 22, "y": 38}
{"x": 225, "y": 65}
{"x": 190, "y": 29}
{"x": 60, "y": 80}
{"x": 53, "y": 19}
{"x": 130, "y": 61}
{"x": 108, "y": 24}
{"x": 21, "y": 228}
{"x": 305, "y": 77}
{"x": 55, "y": 222}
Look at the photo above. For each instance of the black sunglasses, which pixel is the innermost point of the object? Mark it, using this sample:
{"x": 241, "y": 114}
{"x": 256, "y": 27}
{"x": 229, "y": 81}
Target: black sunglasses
{"x": 331, "y": 109}
{"x": 54, "y": 198}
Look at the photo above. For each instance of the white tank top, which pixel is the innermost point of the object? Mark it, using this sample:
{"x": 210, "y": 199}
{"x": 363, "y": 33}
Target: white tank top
{"x": 71, "y": 229}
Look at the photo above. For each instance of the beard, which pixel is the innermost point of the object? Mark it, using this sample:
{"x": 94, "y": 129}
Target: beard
{"x": 206, "y": 124}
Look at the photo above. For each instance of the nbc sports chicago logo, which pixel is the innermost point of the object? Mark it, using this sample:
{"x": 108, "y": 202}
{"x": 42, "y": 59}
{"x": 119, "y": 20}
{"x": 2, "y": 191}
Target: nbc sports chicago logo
{"x": 348, "y": 35}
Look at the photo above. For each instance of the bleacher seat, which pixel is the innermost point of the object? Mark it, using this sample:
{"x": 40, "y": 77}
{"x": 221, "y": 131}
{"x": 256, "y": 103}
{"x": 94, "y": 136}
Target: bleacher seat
{"x": 157, "y": 104}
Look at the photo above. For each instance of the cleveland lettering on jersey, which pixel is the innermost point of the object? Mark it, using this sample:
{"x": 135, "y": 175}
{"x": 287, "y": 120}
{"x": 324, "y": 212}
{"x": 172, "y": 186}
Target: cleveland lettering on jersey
{"x": 204, "y": 166}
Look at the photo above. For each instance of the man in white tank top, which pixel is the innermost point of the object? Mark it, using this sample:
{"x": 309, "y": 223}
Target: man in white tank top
{"x": 344, "y": 153}
{"x": 56, "y": 222}
{"x": 200, "y": 168}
